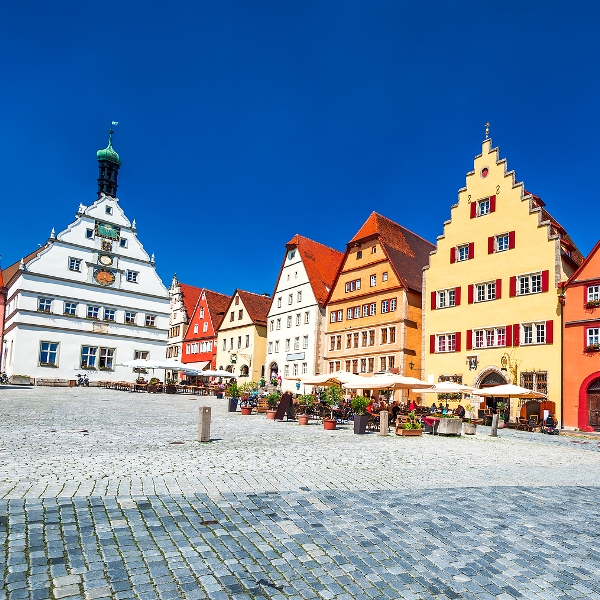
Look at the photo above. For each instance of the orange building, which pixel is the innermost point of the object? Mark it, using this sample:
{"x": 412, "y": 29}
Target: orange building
{"x": 581, "y": 345}
{"x": 374, "y": 307}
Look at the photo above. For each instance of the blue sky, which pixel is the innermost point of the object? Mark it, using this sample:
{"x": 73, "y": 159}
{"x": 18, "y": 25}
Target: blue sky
{"x": 242, "y": 123}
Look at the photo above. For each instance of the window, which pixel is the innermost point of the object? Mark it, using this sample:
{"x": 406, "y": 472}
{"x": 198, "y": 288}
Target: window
{"x": 289, "y": 321}
{"x": 123, "y": 242}
{"x": 331, "y": 366}
{"x": 70, "y": 308}
{"x": 109, "y": 314}
{"x": 295, "y": 274}
{"x": 141, "y": 354}
{"x": 232, "y": 315}
{"x": 393, "y": 304}
{"x": 304, "y": 368}
{"x": 462, "y": 252}
{"x": 277, "y": 346}
{"x": 132, "y": 276}
{"x": 536, "y": 381}
{"x": 351, "y": 286}
{"x": 270, "y": 347}
{"x": 491, "y": 337}
{"x": 348, "y": 366}
{"x": 307, "y": 317}
{"x": 88, "y": 357}
{"x": 593, "y": 338}
{"x": 483, "y": 207}
{"x": 359, "y": 254}
{"x": 356, "y": 312}
{"x": 89, "y": 234}
{"x": 286, "y": 371}
{"x": 93, "y": 312}
{"x": 278, "y": 323}
{"x": 44, "y": 305}
{"x": 298, "y": 319}
{"x": 291, "y": 254}
{"x": 240, "y": 314}
{"x": 231, "y": 343}
{"x": 348, "y": 340}
{"x": 385, "y": 306}
{"x": 150, "y": 321}
{"x": 336, "y": 315}
{"x": 374, "y": 250}
{"x": 446, "y": 298}
{"x": 446, "y": 342}
{"x": 196, "y": 328}
{"x": 290, "y": 298}
{"x": 305, "y": 342}
{"x": 530, "y": 284}
{"x": 392, "y": 335}
{"x": 391, "y": 362}
{"x": 279, "y": 302}
{"x": 371, "y": 367}
{"x": 533, "y": 333}
{"x": 202, "y": 313}
{"x": 363, "y": 339}
{"x": 384, "y": 336}
{"x": 239, "y": 342}
{"x": 130, "y": 317}
{"x": 295, "y": 369}
{"x": 355, "y": 338}
{"x": 205, "y": 327}
{"x": 108, "y": 210}
{"x": 287, "y": 345}
{"x": 74, "y": 264}
{"x": 371, "y": 337}
{"x": 383, "y": 363}
{"x": 107, "y": 359}
{"x": 49, "y": 354}
{"x": 502, "y": 242}
{"x": 373, "y": 280}
{"x": 332, "y": 342}
{"x": 271, "y": 325}
{"x": 338, "y": 342}
{"x": 363, "y": 365}
{"x": 224, "y": 345}
{"x": 593, "y": 293}
{"x": 485, "y": 291}
{"x": 299, "y": 299}
{"x": 365, "y": 310}
{"x": 384, "y": 276}
{"x": 355, "y": 365}
{"x": 237, "y": 301}
{"x": 372, "y": 309}
{"x": 297, "y": 343}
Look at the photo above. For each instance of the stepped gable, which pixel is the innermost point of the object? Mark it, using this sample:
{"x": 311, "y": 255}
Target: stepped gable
{"x": 574, "y": 255}
{"x": 322, "y": 264}
{"x": 191, "y": 295}
{"x": 407, "y": 251}
{"x": 9, "y": 272}
{"x": 217, "y": 306}
{"x": 256, "y": 305}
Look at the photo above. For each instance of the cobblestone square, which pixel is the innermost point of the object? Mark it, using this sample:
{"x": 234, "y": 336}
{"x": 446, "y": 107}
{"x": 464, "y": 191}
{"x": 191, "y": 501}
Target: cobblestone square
{"x": 108, "y": 494}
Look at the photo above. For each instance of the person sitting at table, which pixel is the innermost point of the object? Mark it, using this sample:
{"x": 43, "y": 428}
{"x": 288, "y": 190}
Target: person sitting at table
{"x": 394, "y": 409}
{"x": 369, "y": 407}
{"x": 433, "y": 408}
{"x": 412, "y": 405}
{"x": 460, "y": 411}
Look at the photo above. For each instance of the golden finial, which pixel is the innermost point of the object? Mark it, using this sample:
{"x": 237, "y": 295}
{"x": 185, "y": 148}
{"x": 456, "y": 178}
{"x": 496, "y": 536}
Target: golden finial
{"x": 487, "y": 131}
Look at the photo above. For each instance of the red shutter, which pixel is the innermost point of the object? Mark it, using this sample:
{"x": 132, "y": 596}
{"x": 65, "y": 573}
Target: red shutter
{"x": 491, "y": 245}
{"x": 457, "y": 341}
{"x": 498, "y": 289}
{"x": 511, "y": 240}
{"x": 492, "y": 204}
{"x": 433, "y": 300}
{"x": 453, "y": 254}
{"x": 432, "y": 344}
{"x": 473, "y": 210}
{"x": 470, "y": 293}
{"x": 457, "y": 296}
{"x": 508, "y": 336}
{"x": 545, "y": 280}
{"x": 516, "y": 334}
{"x": 469, "y": 339}
{"x": 471, "y": 250}
{"x": 549, "y": 332}
{"x": 512, "y": 288}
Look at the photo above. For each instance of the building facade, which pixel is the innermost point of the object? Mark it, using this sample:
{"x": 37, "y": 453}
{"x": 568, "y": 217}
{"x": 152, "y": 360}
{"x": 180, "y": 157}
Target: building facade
{"x": 491, "y": 307}
{"x": 581, "y": 346}
{"x": 90, "y": 298}
{"x": 374, "y": 307}
{"x": 200, "y": 341}
{"x": 242, "y": 336}
{"x": 296, "y": 316}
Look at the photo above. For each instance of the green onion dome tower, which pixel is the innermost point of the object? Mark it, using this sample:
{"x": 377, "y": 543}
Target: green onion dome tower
{"x": 109, "y": 163}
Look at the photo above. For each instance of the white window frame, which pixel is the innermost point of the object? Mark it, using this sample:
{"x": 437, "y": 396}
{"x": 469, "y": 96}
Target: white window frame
{"x": 272, "y": 325}
{"x": 286, "y": 371}
{"x": 107, "y": 313}
{"x": 445, "y": 342}
{"x": 481, "y": 337}
{"x": 205, "y": 327}
{"x": 279, "y": 302}
{"x": 446, "y": 298}
{"x": 70, "y": 308}
{"x": 44, "y": 305}
{"x": 385, "y": 306}
{"x": 290, "y": 298}
{"x": 196, "y": 328}
{"x": 502, "y": 242}
{"x": 593, "y": 293}
{"x": 287, "y": 344}
{"x": 533, "y": 333}
{"x": 276, "y": 346}
{"x": 593, "y": 336}
{"x": 393, "y": 304}
{"x": 487, "y": 289}
{"x": 307, "y": 317}
{"x": 74, "y": 264}
{"x": 299, "y": 296}
{"x": 270, "y": 347}
{"x": 132, "y": 276}
{"x": 296, "y": 343}
{"x": 130, "y": 317}
{"x": 304, "y": 368}
{"x": 526, "y": 282}
{"x": 298, "y": 319}
{"x": 462, "y": 253}
{"x": 278, "y": 324}
{"x": 384, "y": 276}
{"x": 295, "y": 369}
{"x": 483, "y": 207}
{"x": 372, "y": 309}
{"x": 49, "y": 351}
{"x": 305, "y": 342}
{"x": 150, "y": 321}
{"x": 93, "y": 312}
{"x": 373, "y": 280}
{"x": 289, "y": 321}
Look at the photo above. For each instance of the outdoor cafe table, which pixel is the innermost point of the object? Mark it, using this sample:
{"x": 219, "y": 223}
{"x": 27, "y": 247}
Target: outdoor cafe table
{"x": 432, "y": 422}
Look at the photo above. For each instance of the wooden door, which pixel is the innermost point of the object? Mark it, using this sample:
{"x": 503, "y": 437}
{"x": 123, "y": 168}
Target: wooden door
{"x": 594, "y": 409}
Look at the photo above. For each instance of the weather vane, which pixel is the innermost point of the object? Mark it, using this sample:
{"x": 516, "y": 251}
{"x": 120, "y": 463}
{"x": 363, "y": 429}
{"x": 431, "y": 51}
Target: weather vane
{"x": 487, "y": 130}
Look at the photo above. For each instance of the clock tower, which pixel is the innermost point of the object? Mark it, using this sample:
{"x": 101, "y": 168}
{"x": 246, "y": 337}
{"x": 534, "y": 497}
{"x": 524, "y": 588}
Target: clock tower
{"x": 108, "y": 163}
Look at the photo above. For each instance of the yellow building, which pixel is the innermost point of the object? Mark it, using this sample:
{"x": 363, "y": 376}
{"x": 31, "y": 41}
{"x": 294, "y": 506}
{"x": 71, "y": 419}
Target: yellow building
{"x": 491, "y": 308}
{"x": 374, "y": 307}
{"x": 242, "y": 336}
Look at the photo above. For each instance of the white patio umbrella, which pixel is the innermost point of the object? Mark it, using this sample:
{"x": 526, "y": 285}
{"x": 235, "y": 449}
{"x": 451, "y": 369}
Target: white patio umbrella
{"x": 508, "y": 390}
{"x": 218, "y": 373}
{"x": 390, "y": 381}
{"x": 326, "y": 379}
{"x": 446, "y": 387}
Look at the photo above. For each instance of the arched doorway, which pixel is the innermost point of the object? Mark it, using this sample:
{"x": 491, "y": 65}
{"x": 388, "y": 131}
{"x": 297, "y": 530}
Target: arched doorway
{"x": 593, "y": 404}
{"x": 273, "y": 370}
{"x": 229, "y": 368}
{"x": 490, "y": 377}
{"x": 244, "y": 371}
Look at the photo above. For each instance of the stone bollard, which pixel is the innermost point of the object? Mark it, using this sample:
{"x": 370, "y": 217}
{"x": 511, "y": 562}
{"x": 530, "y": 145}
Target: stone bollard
{"x": 494, "y": 432}
{"x": 204, "y": 424}
{"x": 383, "y": 422}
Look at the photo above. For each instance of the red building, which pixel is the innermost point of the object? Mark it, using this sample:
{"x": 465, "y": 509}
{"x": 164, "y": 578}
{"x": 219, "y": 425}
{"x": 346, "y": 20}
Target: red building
{"x": 581, "y": 345}
{"x": 200, "y": 341}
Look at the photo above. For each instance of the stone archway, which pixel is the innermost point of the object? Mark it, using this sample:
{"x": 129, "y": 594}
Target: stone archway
{"x": 583, "y": 410}
{"x": 489, "y": 377}
{"x": 273, "y": 369}
{"x": 244, "y": 371}
{"x": 593, "y": 405}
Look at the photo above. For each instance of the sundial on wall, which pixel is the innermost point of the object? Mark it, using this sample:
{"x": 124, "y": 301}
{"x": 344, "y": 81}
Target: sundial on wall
{"x": 108, "y": 231}
{"x": 105, "y": 259}
{"x": 104, "y": 277}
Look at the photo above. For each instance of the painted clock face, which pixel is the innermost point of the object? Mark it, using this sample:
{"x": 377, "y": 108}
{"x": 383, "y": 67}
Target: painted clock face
{"x": 104, "y": 277}
{"x": 105, "y": 259}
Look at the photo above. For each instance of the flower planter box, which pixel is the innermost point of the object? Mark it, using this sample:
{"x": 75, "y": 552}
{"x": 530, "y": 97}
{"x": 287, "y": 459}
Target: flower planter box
{"x": 501, "y": 424}
{"x": 409, "y": 432}
{"x": 246, "y": 410}
{"x": 329, "y": 424}
{"x": 469, "y": 428}
{"x": 271, "y": 414}
{"x": 360, "y": 423}
{"x": 20, "y": 380}
{"x": 171, "y": 389}
{"x": 450, "y": 427}
{"x": 303, "y": 419}
{"x": 152, "y": 389}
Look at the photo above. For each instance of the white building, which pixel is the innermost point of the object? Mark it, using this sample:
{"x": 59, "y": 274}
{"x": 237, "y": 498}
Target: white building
{"x": 90, "y": 298}
{"x": 295, "y": 319}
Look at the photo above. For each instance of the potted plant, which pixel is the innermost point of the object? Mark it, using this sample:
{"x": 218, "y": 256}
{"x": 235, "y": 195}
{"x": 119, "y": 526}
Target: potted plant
{"x": 306, "y": 402}
{"x": 220, "y": 391}
{"x": 331, "y": 397}
{"x": 233, "y": 391}
{"x": 273, "y": 399}
{"x": 359, "y": 406}
{"x": 153, "y": 385}
{"x": 412, "y": 427}
{"x": 171, "y": 387}
{"x": 500, "y": 408}
{"x": 450, "y": 425}
{"x": 470, "y": 424}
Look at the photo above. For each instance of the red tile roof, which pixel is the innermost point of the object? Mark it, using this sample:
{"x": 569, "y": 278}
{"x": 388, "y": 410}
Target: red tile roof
{"x": 190, "y": 295}
{"x": 256, "y": 305}
{"x": 321, "y": 263}
{"x": 9, "y": 272}
{"x": 408, "y": 252}
{"x": 217, "y": 306}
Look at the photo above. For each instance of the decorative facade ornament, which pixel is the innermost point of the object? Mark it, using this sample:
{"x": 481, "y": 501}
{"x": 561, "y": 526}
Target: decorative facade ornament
{"x": 52, "y": 234}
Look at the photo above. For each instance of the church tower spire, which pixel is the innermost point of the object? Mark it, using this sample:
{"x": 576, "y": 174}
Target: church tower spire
{"x": 108, "y": 163}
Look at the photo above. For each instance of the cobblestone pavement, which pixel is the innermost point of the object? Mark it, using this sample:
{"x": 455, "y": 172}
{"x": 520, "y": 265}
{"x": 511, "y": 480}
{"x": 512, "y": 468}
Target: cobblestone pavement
{"x": 98, "y": 502}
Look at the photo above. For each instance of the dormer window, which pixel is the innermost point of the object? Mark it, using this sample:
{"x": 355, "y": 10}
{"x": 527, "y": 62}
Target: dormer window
{"x": 291, "y": 254}
{"x": 108, "y": 210}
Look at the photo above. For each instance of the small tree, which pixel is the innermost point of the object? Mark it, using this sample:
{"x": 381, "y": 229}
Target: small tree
{"x": 273, "y": 399}
{"x": 233, "y": 390}
{"x": 333, "y": 396}
{"x": 359, "y": 405}
{"x": 306, "y": 401}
